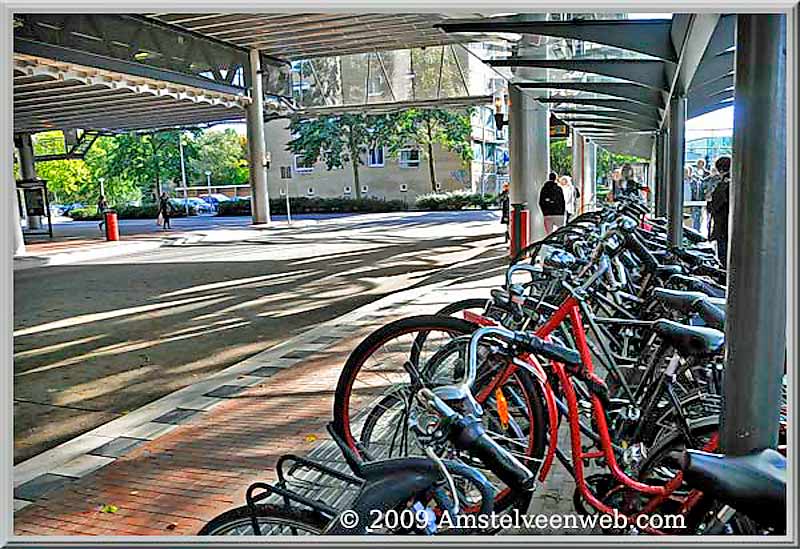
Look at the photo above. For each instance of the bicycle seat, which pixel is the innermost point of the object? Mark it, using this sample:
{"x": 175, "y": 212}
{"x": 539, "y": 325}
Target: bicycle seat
{"x": 754, "y": 484}
{"x": 690, "y": 340}
{"x": 559, "y": 259}
{"x": 678, "y": 300}
{"x": 666, "y": 271}
{"x": 697, "y": 284}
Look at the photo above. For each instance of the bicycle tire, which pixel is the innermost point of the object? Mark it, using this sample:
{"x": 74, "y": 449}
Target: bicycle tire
{"x": 341, "y": 411}
{"x": 240, "y": 518}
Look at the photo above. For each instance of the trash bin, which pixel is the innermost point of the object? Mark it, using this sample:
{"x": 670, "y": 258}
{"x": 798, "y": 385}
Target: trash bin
{"x": 112, "y": 225}
{"x": 519, "y": 228}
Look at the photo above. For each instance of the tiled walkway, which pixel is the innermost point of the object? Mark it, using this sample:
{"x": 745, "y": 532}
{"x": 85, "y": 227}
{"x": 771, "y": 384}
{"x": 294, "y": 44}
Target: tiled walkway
{"x": 187, "y": 463}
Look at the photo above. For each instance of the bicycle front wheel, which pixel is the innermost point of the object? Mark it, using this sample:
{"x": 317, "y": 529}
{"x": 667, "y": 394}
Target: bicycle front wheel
{"x": 272, "y": 520}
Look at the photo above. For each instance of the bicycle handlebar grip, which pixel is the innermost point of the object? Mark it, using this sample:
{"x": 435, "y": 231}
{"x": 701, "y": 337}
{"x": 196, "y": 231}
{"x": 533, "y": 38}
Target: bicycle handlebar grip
{"x": 471, "y": 436}
{"x": 536, "y": 345}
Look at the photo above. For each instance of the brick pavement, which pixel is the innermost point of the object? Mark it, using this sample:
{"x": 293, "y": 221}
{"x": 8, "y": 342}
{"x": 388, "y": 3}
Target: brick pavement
{"x": 174, "y": 484}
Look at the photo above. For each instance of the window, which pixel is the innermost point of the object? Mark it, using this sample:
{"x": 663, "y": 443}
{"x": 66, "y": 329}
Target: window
{"x": 310, "y": 191}
{"x": 348, "y": 190}
{"x": 376, "y": 85}
{"x": 438, "y": 186}
{"x": 403, "y": 188}
{"x": 364, "y": 188}
{"x": 409, "y": 158}
{"x": 303, "y": 165}
{"x": 375, "y": 158}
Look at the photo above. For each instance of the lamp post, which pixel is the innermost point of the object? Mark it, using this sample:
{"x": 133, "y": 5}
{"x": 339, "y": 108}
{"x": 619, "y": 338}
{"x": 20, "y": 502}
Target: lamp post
{"x": 102, "y": 189}
{"x": 208, "y": 181}
{"x": 183, "y": 175}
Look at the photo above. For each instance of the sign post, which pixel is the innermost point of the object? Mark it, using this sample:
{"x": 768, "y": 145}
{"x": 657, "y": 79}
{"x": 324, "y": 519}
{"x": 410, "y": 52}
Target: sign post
{"x": 286, "y": 173}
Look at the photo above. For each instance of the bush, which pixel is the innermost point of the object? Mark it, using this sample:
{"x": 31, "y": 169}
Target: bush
{"x": 302, "y": 204}
{"x": 147, "y": 211}
{"x": 455, "y": 200}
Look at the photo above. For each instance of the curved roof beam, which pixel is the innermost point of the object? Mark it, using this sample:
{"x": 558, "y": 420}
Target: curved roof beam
{"x": 616, "y": 104}
{"x": 624, "y": 90}
{"x": 644, "y": 72}
{"x": 650, "y": 37}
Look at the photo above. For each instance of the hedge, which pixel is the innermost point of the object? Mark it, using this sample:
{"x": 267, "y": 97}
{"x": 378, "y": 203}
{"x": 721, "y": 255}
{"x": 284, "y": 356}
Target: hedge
{"x": 455, "y": 200}
{"x": 302, "y": 204}
{"x": 148, "y": 211}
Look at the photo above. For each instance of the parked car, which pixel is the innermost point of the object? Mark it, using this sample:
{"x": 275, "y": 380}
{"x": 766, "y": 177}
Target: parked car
{"x": 196, "y": 204}
{"x": 214, "y": 199}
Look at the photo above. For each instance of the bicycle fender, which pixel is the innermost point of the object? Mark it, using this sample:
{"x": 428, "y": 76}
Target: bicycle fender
{"x": 389, "y": 484}
{"x": 531, "y": 364}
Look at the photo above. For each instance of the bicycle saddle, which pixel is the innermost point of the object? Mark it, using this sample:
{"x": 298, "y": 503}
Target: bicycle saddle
{"x": 559, "y": 259}
{"x": 696, "y": 284}
{"x": 690, "y": 340}
{"x": 678, "y": 300}
{"x": 754, "y": 484}
{"x": 665, "y": 271}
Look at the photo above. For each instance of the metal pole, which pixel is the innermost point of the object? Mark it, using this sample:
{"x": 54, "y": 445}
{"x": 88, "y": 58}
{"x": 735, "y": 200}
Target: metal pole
{"x": 288, "y": 209}
{"x": 27, "y": 168}
{"x": 661, "y": 174}
{"x": 256, "y": 142}
{"x": 677, "y": 129}
{"x": 183, "y": 174}
{"x": 756, "y": 325}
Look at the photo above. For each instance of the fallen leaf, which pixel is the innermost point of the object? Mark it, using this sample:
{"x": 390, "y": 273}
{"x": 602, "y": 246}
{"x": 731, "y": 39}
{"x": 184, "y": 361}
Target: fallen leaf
{"x": 108, "y": 508}
{"x": 311, "y": 438}
{"x": 171, "y": 526}
{"x": 134, "y": 492}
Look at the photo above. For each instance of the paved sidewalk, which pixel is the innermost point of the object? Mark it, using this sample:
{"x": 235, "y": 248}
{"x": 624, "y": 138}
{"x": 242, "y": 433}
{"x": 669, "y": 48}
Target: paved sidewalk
{"x": 171, "y": 466}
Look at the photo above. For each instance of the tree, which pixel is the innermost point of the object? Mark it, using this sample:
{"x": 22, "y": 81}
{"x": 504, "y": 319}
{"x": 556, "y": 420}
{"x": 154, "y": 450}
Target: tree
{"x": 426, "y": 127}
{"x": 560, "y": 157}
{"x": 339, "y": 140}
{"x": 223, "y": 153}
{"x": 608, "y": 161}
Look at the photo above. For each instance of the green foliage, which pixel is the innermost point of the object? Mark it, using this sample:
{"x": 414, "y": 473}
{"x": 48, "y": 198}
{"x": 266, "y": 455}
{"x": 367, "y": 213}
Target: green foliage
{"x": 302, "y": 204}
{"x": 339, "y": 140}
{"x": 607, "y": 161}
{"x": 223, "y": 153}
{"x": 426, "y": 127}
{"x": 560, "y": 157}
{"x": 148, "y": 211}
{"x": 455, "y": 200}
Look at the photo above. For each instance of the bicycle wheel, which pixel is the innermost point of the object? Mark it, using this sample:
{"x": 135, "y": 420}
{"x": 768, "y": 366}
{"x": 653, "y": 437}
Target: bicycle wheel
{"x": 375, "y": 394}
{"x": 273, "y": 520}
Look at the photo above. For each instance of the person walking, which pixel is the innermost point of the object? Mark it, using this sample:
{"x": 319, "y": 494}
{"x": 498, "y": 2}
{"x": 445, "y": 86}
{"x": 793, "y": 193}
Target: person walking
{"x": 102, "y": 208}
{"x": 571, "y": 196}
{"x": 700, "y": 169}
{"x": 707, "y": 190}
{"x": 164, "y": 211}
{"x": 552, "y": 204}
{"x": 718, "y": 208}
{"x": 505, "y": 204}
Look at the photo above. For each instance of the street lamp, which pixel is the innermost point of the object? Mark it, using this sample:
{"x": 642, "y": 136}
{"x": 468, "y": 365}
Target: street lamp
{"x": 102, "y": 190}
{"x": 208, "y": 181}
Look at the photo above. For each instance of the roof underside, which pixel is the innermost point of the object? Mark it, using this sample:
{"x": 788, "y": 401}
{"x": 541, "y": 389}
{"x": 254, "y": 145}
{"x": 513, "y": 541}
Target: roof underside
{"x": 311, "y": 35}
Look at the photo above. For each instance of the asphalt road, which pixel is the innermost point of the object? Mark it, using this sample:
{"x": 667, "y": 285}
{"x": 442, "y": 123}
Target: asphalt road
{"x": 95, "y": 340}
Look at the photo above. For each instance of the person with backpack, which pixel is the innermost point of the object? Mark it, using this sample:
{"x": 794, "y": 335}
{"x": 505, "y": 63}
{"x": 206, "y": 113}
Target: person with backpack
{"x": 552, "y": 204}
{"x": 718, "y": 208}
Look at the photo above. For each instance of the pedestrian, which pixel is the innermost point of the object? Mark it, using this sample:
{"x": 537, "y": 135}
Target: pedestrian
{"x": 616, "y": 184}
{"x": 102, "y": 208}
{"x": 629, "y": 185}
{"x": 571, "y": 196}
{"x": 691, "y": 194}
{"x": 164, "y": 211}
{"x": 700, "y": 169}
{"x": 505, "y": 204}
{"x": 718, "y": 208}
{"x": 707, "y": 191}
{"x": 552, "y": 204}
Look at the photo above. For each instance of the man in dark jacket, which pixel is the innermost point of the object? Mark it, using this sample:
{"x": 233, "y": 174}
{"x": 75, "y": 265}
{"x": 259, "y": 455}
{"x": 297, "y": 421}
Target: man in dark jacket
{"x": 718, "y": 208}
{"x": 552, "y": 204}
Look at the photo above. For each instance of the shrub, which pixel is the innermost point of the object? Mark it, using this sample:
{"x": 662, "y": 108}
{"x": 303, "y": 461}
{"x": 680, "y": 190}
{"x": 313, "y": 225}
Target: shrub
{"x": 147, "y": 211}
{"x": 455, "y": 200}
{"x": 302, "y": 204}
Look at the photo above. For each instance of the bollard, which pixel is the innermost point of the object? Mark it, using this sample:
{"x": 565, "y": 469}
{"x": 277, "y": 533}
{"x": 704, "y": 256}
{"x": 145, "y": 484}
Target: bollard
{"x": 112, "y": 226}
{"x": 519, "y": 228}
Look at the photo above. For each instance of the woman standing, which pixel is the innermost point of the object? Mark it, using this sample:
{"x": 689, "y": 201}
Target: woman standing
{"x": 571, "y": 196}
{"x": 163, "y": 211}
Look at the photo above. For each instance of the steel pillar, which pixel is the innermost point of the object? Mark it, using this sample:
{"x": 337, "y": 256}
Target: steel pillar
{"x": 661, "y": 174}
{"x": 589, "y": 190}
{"x": 756, "y": 325}
{"x": 27, "y": 169}
{"x": 578, "y": 145}
{"x": 677, "y": 144}
{"x": 256, "y": 142}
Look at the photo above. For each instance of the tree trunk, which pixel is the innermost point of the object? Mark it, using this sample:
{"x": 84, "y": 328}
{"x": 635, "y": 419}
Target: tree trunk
{"x": 356, "y": 182}
{"x": 431, "y": 161}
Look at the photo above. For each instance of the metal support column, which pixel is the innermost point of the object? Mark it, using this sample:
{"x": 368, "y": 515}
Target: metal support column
{"x": 677, "y": 131}
{"x": 27, "y": 169}
{"x": 756, "y": 325}
{"x": 19, "y": 240}
{"x": 589, "y": 174}
{"x": 256, "y": 142}
{"x": 661, "y": 174}
{"x": 578, "y": 144}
